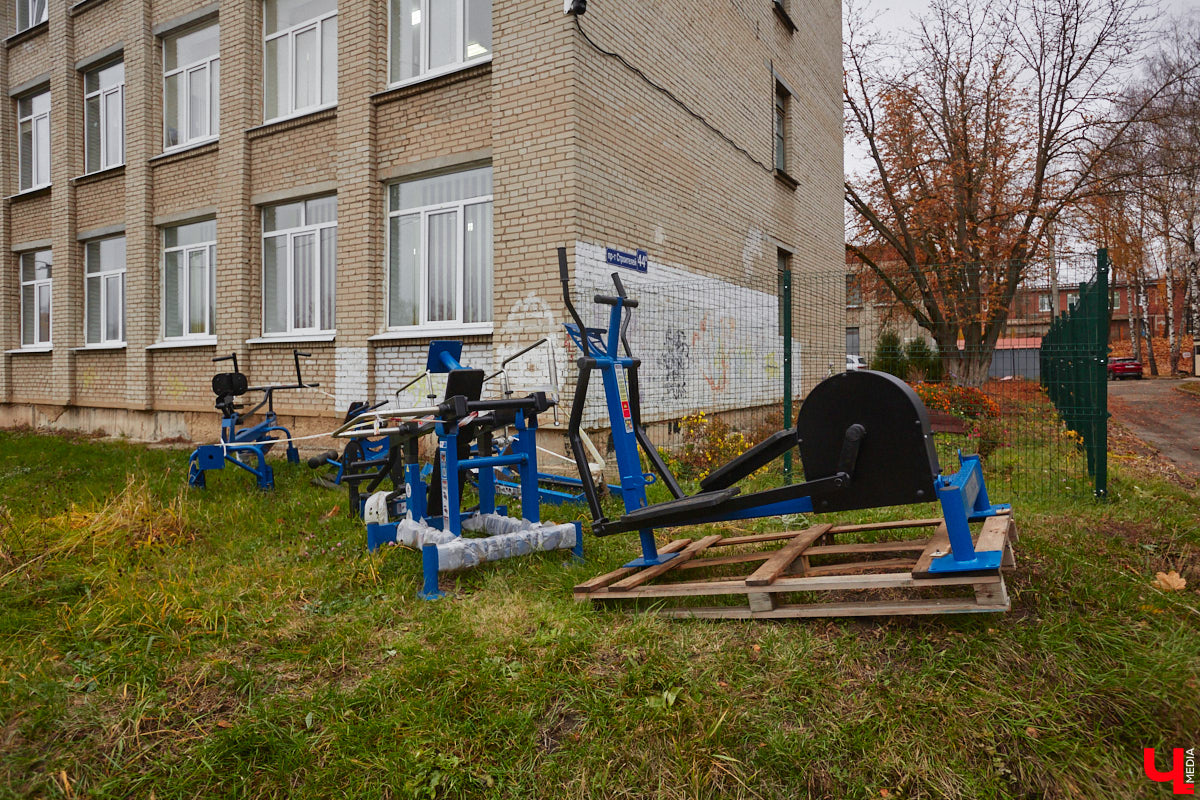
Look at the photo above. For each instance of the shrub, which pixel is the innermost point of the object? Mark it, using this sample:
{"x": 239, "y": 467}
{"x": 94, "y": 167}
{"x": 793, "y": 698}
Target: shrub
{"x": 709, "y": 443}
{"x": 924, "y": 363}
{"x": 889, "y": 355}
{"x": 962, "y": 401}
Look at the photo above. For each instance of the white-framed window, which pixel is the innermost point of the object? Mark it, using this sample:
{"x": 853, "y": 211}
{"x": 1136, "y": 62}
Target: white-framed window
{"x": 1115, "y": 305}
{"x": 1043, "y": 303}
{"x": 104, "y": 291}
{"x": 191, "y": 86}
{"x": 300, "y": 266}
{"x": 1072, "y": 298}
{"x": 440, "y": 250}
{"x": 104, "y": 116}
{"x": 33, "y": 135}
{"x": 30, "y": 13}
{"x": 189, "y": 280}
{"x": 429, "y": 37}
{"x": 782, "y": 100}
{"x": 301, "y": 56}
{"x": 36, "y": 268}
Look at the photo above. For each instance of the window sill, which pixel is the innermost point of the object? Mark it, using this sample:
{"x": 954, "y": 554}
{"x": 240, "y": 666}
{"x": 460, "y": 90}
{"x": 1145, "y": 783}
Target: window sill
{"x": 34, "y": 192}
{"x": 84, "y": 5}
{"x": 105, "y": 346}
{"x": 430, "y": 332}
{"x": 787, "y": 180}
{"x": 784, "y": 16}
{"x": 429, "y": 82}
{"x": 99, "y": 175}
{"x": 181, "y": 152}
{"x": 175, "y": 344}
{"x": 294, "y": 338}
{"x": 32, "y": 32}
{"x": 294, "y": 121}
{"x": 40, "y": 349}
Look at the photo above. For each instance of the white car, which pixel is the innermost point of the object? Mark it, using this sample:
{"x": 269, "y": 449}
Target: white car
{"x": 854, "y": 362}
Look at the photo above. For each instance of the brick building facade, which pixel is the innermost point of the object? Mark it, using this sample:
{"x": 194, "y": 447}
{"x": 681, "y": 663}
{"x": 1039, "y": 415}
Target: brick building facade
{"x": 185, "y": 179}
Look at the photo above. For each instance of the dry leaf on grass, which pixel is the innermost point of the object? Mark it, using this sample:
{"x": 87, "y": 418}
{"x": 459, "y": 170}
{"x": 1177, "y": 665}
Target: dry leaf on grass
{"x": 331, "y": 513}
{"x": 1169, "y": 581}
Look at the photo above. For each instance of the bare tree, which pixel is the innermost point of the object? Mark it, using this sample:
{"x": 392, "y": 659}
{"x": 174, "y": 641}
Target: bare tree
{"x": 979, "y": 130}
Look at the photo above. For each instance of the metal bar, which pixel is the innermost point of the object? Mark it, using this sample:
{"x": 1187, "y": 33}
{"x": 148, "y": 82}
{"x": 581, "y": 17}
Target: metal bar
{"x": 785, "y": 286}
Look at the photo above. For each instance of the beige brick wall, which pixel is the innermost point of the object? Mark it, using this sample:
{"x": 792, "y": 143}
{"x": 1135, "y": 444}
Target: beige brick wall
{"x": 582, "y": 152}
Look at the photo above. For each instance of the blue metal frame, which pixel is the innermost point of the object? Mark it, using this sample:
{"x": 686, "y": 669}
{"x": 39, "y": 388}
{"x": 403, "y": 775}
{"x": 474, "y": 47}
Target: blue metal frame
{"x": 235, "y": 443}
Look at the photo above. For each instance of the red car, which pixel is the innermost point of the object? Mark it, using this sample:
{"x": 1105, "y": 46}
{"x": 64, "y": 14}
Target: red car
{"x": 1124, "y": 368}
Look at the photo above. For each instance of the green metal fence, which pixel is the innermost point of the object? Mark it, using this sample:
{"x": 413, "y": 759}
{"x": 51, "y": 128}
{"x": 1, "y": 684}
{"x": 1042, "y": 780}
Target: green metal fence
{"x": 1074, "y": 370}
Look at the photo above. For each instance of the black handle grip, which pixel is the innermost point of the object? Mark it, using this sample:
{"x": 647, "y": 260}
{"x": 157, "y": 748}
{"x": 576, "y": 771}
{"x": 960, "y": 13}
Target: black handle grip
{"x": 562, "y": 265}
{"x": 231, "y": 357}
{"x": 302, "y": 355}
{"x": 609, "y": 300}
{"x": 616, "y": 278}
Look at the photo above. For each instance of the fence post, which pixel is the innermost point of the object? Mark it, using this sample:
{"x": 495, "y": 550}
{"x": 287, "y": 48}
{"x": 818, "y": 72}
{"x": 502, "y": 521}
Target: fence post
{"x": 785, "y": 288}
{"x": 1100, "y": 380}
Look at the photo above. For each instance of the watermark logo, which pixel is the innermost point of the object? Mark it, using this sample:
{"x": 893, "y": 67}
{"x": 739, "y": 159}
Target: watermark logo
{"x": 1183, "y": 769}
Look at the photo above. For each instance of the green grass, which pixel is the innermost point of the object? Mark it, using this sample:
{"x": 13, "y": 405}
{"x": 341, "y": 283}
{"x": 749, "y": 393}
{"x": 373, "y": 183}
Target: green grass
{"x": 232, "y": 643}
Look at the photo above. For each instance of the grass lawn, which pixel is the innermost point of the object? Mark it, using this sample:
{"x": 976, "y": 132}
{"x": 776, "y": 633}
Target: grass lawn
{"x": 159, "y": 643}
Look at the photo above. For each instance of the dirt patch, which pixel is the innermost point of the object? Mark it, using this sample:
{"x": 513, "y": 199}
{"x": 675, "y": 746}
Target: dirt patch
{"x": 558, "y": 725}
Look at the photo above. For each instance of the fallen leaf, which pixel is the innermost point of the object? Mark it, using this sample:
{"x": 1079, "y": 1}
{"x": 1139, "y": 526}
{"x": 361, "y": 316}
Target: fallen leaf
{"x": 331, "y": 513}
{"x": 1169, "y": 581}
{"x": 723, "y": 684}
{"x": 1033, "y": 732}
{"x": 221, "y": 723}
{"x": 757, "y": 648}
{"x": 885, "y": 793}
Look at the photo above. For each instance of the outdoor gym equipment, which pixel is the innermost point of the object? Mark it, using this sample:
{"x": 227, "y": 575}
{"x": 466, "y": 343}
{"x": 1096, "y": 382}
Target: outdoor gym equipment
{"x": 432, "y": 516}
{"x": 361, "y": 461}
{"x": 239, "y": 442}
{"x": 864, "y": 440}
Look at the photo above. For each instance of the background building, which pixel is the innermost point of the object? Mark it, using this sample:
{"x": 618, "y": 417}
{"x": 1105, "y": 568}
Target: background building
{"x": 186, "y": 179}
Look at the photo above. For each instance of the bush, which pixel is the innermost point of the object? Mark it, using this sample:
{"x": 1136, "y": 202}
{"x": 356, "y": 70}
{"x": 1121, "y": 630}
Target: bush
{"x": 962, "y": 401}
{"x": 710, "y": 442}
{"x": 924, "y": 363}
{"x": 889, "y": 355}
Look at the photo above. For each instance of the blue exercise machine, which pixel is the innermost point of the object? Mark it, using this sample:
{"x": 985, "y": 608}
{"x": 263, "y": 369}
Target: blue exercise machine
{"x": 361, "y": 461}
{"x": 864, "y": 440}
{"x": 245, "y": 446}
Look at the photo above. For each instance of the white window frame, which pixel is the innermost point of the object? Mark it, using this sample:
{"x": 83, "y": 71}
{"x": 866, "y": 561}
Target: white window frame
{"x": 304, "y": 229}
{"x": 106, "y": 94}
{"x": 40, "y": 147}
{"x": 213, "y": 107}
{"x": 425, "y": 212}
{"x": 185, "y": 251}
{"x": 460, "y": 43}
{"x": 39, "y": 285}
{"x": 288, "y": 109}
{"x": 27, "y": 6}
{"x": 105, "y": 276}
{"x": 1044, "y": 304}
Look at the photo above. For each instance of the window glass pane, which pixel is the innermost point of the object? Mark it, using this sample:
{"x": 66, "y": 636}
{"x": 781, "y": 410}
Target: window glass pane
{"x": 25, "y": 134}
{"x": 443, "y": 189}
{"x": 112, "y": 308}
{"x": 188, "y": 48}
{"x": 43, "y": 263}
{"x": 478, "y": 40}
{"x": 41, "y": 142}
{"x": 197, "y": 289}
{"x": 406, "y": 39}
{"x": 41, "y": 103}
{"x": 112, "y": 253}
{"x": 275, "y": 284}
{"x": 212, "y": 288}
{"x": 91, "y": 257}
{"x": 283, "y": 14}
{"x": 28, "y": 314}
{"x": 328, "y": 277}
{"x": 477, "y": 263}
{"x": 113, "y": 123}
{"x": 38, "y": 13}
{"x": 282, "y": 217}
{"x": 27, "y": 266}
{"x": 320, "y": 210}
{"x": 404, "y": 279}
{"x": 276, "y": 78}
{"x": 43, "y": 302}
{"x": 443, "y": 266}
{"x": 192, "y": 233}
{"x": 198, "y": 103}
{"x": 172, "y": 108}
{"x": 329, "y": 60}
{"x": 305, "y": 90}
{"x": 22, "y": 14}
{"x": 24, "y": 107}
{"x": 443, "y": 32}
{"x": 92, "y": 311}
{"x": 112, "y": 75}
{"x": 303, "y": 255}
{"x": 173, "y": 294}
{"x": 91, "y": 114}
{"x": 214, "y": 103}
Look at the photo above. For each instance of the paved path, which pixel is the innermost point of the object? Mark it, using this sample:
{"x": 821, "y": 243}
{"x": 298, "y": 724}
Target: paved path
{"x": 1161, "y": 415}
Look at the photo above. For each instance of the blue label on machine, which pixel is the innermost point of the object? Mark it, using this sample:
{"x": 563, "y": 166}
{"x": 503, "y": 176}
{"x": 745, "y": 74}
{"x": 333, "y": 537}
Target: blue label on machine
{"x": 638, "y": 262}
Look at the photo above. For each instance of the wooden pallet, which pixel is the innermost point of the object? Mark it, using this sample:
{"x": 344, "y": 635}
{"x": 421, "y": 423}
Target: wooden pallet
{"x": 862, "y": 578}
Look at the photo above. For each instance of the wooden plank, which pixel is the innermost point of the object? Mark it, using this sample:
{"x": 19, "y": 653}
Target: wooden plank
{"x": 914, "y": 545}
{"x": 994, "y": 533}
{"x": 991, "y": 594}
{"x": 1008, "y": 560}
{"x": 758, "y": 537}
{"x": 647, "y": 573}
{"x": 743, "y": 558}
{"x": 865, "y": 609}
{"x": 782, "y": 558}
{"x": 938, "y": 544}
{"x": 905, "y": 564}
{"x": 884, "y": 526}
{"x": 761, "y": 602}
{"x": 601, "y": 581}
{"x": 896, "y": 580}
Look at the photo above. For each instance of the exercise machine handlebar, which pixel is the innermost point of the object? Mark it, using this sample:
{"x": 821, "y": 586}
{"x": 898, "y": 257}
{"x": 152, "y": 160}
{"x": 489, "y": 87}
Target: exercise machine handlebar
{"x": 299, "y": 384}
{"x": 565, "y": 277}
{"x": 451, "y": 410}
